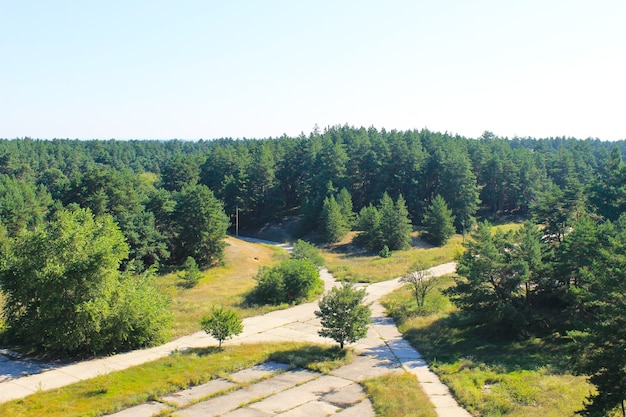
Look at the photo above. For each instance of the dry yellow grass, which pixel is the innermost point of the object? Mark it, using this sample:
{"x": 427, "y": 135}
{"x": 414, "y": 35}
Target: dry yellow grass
{"x": 222, "y": 286}
{"x": 349, "y": 262}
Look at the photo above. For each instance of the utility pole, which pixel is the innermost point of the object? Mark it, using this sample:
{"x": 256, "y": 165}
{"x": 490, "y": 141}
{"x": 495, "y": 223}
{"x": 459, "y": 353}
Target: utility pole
{"x": 237, "y": 221}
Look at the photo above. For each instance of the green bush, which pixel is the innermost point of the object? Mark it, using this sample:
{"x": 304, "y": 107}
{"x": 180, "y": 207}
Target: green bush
{"x": 292, "y": 281}
{"x": 63, "y": 290}
{"x": 270, "y": 287}
{"x": 305, "y": 250}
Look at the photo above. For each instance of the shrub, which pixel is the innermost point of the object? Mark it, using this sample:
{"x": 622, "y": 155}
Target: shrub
{"x": 191, "y": 274}
{"x": 292, "y": 281}
{"x": 305, "y": 250}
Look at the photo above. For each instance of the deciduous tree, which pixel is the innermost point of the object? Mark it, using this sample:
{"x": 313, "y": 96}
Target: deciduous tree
{"x": 222, "y": 324}
{"x": 421, "y": 282}
{"x": 344, "y": 314}
{"x": 64, "y": 291}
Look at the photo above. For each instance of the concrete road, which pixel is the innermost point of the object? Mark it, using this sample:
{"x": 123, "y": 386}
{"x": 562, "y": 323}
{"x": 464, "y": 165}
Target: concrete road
{"x": 382, "y": 351}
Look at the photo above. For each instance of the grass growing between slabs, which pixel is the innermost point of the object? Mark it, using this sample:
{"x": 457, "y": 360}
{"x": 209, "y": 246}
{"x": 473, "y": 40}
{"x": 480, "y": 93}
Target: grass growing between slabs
{"x": 489, "y": 376}
{"x": 116, "y": 391}
{"x": 220, "y": 286}
{"x": 398, "y": 395}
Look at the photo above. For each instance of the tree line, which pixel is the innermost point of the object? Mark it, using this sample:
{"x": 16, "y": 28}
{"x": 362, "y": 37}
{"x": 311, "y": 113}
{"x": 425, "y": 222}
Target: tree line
{"x": 149, "y": 186}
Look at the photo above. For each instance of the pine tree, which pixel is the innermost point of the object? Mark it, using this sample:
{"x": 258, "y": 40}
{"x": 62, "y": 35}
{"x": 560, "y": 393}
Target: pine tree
{"x": 368, "y": 223}
{"x": 333, "y": 223}
{"x": 401, "y": 236}
{"x": 395, "y": 226}
{"x": 438, "y": 222}
{"x": 344, "y": 199}
{"x": 201, "y": 226}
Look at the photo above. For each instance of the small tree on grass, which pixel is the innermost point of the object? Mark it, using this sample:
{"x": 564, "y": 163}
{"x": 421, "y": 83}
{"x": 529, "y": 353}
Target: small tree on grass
{"x": 421, "y": 282}
{"x": 343, "y": 314}
{"x": 191, "y": 275}
{"x": 222, "y": 324}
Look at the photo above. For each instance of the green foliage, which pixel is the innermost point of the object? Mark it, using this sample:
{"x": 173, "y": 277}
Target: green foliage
{"x": 608, "y": 190}
{"x": 490, "y": 376}
{"x": 602, "y": 339}
{"x": 93, "y": 308}
{"x": 494, "y": 270}
{"x": 304, "y": 250}
{"x": 179, "y": 171}
{"x": 552, "y": 211}
{"x": 139, "y": 314}
{"x": 438, "y": 222}
{"x": 146, "y": 242}
{"x": 388, "y": 224}
{"x": 459, "y": 188}
{"x": 369, "y": 225}
{"x": 22, "y": 204}
{"x": 191, "y": 274}
{"x": 302, "y": 280}
{"x": 421, "y": 282}
{"x": 201, "y": 226}
{"x": 270, "y": 287}
{"x": 292, "y": 281}
{"x": 344, "y": 200}
{"x": 385, "y": 252}
{"x": 395, "y": 226}
{"x": 333, "y": 223}
{"x": 222, "y": 324}
{"x": 343, "y": 314}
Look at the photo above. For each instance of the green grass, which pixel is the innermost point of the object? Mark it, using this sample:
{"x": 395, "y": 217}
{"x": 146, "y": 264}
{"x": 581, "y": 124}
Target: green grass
{"x": 116, "y": 391}
{"x": 398, "y": 395}
{"x": 490, "y": 376}
{"x": 348, "y": 262}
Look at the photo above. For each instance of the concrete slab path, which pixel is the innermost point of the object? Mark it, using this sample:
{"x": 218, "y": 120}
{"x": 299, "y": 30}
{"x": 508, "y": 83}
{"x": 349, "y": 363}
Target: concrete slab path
{"x": 381, "y": 352}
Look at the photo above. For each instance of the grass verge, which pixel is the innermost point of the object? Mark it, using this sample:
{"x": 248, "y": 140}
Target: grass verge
{"x": 490, "y": 376}
{"x": 116, "y": 391}
{"x": 398, "y": 395}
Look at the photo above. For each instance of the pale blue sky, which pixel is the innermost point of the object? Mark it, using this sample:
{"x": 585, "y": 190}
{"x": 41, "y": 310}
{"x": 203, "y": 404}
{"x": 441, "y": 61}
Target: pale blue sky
{"x": 208, "y": 69}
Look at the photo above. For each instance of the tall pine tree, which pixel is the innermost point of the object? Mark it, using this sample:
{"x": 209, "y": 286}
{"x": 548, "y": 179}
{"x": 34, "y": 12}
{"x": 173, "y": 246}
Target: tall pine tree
{"x": 438, "y": 222}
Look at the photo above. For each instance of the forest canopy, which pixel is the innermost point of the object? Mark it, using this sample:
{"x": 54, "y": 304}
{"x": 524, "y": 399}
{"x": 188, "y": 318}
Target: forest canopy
{"x": 145, "y": 185}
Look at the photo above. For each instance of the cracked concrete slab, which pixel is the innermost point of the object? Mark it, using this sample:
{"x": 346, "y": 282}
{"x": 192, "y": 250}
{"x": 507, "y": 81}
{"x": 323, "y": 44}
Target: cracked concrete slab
{"x": 186, "y": 397}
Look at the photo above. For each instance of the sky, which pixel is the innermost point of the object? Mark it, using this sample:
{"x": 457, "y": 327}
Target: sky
{"x": 257, "y": 69}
